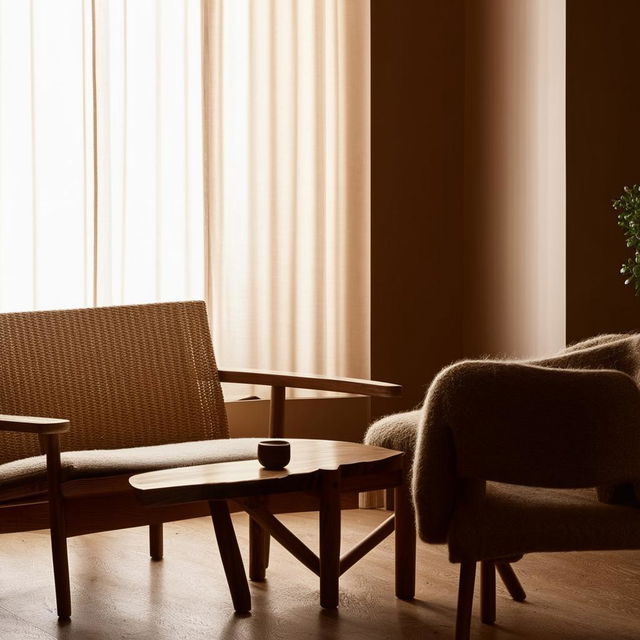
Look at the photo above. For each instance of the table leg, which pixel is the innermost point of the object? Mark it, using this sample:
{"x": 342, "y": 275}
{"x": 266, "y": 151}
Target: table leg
{"x": 230, "y": 555}
{"x": 405, "y": 550}
{"x": 258, "y": 551}
{"x": 329, "y": 538}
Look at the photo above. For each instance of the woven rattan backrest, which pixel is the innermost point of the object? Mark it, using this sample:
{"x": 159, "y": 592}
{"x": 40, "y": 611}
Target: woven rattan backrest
{"x": 124, "y": 376}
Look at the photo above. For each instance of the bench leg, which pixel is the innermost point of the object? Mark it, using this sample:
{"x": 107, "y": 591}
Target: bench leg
{"x": 329, "y": 538}
{"x": 61, "y": 570}
{"x": 230, "y": 555}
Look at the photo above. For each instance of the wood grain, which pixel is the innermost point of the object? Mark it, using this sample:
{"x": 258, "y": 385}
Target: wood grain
{"x": 405, "y": 544}
{"x": 487, "y": 591}
{"x": 258, "y": 551}
{"x": 369, "y": 543}
{"x": 247, "y": 477}
{"x": 57, "y": 526}
{"x": 511, "y": 581}
{"x": 122, "y": 510}
{"x": 330, "y": 525}
{"x": 305, "y": 381}
{"x": 32, "y": 424}
{"x": 230, "y": 556}
{"x": 465, "y": 600}
{"x": 119, "y": 593}
{"x": 276, "y": 412}
{"x": 283, "y": 535}
{"x": 156, "y": 541}
{"x": 316, "y": 466}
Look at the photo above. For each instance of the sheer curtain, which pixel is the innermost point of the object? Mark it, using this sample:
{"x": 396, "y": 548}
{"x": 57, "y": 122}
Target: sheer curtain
{"x": 100, "y": 153}
{"x": 286, "y": 97}
{"x": 149, "y": 237}
{"x": 110, "y": 109}
{"x": 46, "y": 222}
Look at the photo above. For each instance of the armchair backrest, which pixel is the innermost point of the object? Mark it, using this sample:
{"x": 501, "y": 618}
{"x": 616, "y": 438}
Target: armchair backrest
{"x": 617, "y": 351}
{"x": 124, "y": 376}
{"x": 541, "y": 427}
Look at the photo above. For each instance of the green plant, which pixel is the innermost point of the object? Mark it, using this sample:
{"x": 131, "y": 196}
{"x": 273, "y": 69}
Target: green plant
{"x": 628, "y": 208}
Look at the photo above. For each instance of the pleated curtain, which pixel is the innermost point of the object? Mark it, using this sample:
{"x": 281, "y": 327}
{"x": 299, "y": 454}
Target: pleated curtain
{"x": 162, "y": 150}
{"x": 287, "y": 182}
{"x": 46, "y": 237}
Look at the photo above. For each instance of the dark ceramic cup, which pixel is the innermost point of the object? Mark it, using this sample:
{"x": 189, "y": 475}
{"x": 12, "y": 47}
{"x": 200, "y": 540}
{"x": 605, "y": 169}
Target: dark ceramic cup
{"x": 274, "y": 454}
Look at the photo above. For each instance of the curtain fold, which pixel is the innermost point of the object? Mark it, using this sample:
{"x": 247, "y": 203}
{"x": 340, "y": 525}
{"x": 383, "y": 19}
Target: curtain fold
{"x": 110, "y": 109}
{"x": 45, "y": 208}
{"x": 149, "y": 151}
{"x": 286, "y": 116}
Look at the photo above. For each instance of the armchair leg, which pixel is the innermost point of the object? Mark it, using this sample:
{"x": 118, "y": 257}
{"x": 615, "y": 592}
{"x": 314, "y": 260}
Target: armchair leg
{"x": 465, "y": 600}
{"x": 488, "y": 592}
{"x": 511, "y": 581}
{"x": 156, "y": 546}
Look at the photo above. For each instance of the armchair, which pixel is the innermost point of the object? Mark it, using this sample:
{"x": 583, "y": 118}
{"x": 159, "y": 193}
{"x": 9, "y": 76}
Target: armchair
{"x": 509, "y": 456}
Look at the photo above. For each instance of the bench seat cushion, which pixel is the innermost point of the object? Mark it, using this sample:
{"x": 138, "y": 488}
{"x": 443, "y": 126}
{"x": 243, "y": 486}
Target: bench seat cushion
{"x": 109, "y": 462}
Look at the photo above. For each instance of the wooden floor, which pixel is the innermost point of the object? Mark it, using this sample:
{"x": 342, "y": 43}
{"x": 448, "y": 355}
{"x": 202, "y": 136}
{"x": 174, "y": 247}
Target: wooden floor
{"x": 119, "y": 593}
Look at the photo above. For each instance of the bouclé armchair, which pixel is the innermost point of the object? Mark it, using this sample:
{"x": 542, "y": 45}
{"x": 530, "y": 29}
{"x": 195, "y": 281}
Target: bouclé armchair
{"x": 518, "y": 457}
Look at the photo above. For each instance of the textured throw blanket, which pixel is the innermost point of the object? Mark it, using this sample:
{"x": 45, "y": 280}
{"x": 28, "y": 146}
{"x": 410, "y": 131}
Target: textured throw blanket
{"x": 495, "y": 419}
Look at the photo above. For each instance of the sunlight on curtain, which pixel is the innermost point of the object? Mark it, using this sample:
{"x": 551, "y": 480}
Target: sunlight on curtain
{"x": 102, "y": 141}
{"x": 149, "y": 116}
{"x": 287, "y": 163}
{"x": 45, "y": 211}
{"x": 148, "y": 242}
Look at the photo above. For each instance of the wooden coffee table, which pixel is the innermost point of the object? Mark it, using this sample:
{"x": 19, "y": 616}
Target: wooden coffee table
{"x": 325, "y": 469}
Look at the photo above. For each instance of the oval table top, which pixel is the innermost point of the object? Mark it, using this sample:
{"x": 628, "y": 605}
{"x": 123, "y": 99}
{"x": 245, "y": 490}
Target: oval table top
{"x": 248, "y": 478}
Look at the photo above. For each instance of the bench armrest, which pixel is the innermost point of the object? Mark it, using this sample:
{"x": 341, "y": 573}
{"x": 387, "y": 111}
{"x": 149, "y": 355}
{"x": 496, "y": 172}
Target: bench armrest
{"x": 29, "y": 424}
{"x": 304, "y": 381}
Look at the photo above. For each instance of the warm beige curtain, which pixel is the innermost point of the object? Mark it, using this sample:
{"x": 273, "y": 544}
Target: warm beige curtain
{"x": 100, "y": 153}
{"x": 103, "y": 198}
{"x": 286, "y": 117}
{"x": 148, "y": 158}
{"x": 46, "y": 211}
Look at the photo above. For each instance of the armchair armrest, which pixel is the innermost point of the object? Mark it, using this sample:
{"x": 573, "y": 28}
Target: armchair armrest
{"x": 29, "y": 424}
{"x": 303, "y": 381}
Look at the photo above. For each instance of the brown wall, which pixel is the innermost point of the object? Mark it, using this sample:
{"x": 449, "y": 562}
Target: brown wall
{"x": 468, "y": 191}
{"x": 603, "y": 155}
{"x": 417, "y": 87}
{"x": 425, "y": 295}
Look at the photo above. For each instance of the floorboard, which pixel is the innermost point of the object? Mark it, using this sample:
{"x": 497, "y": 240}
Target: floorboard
{"x": 119, "y": 593}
